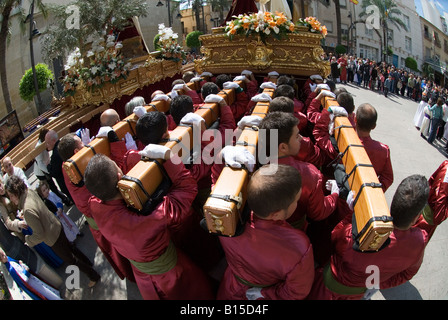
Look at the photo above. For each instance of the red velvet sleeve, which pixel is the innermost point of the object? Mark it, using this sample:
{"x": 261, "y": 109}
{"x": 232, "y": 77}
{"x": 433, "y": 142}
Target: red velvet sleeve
{"x": 184, "y": 189}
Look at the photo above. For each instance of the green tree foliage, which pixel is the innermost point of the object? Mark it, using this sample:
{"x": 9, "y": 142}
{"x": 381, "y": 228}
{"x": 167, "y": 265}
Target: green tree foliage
{"x": 192, "y": 39}
{"x": 389, "y": 14}
{"x": 340, "y": 49}
{"x": 411, "y": 63}
{"x": 26, "y": 85}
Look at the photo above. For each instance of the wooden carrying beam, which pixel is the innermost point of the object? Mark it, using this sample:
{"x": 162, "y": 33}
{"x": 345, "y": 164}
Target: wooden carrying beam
{"x": 372, "y": 222}
{"x": 224, "y": 206}
{"x": 146, "y": 176}
{"x": 76, "y": 165}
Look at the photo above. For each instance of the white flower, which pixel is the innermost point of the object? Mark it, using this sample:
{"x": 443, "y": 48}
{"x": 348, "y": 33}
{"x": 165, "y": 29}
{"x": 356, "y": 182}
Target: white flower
{"x": 111, "y": 38}
{"x": 112, "y": 65}
{"x": 267, "y": 31}
{"x": 90, "y": 53}
{"x": 161, "y": 26}
{"x": 100, "y": 49}
{"x": 110, "y": 44}
{"x": 94, "y": 70}
{"x": 118, "y": 45}
{"x": 276, "y": 29}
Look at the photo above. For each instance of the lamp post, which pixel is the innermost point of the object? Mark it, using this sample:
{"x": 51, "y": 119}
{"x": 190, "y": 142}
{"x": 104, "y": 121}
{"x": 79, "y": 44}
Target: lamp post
{"x": 33, "y": 33}
{"x": 160, "y": 4}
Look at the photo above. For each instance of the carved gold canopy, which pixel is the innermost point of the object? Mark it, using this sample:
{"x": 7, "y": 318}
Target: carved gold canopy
{"x": 299, "y": 54}
{"x": 143, "y": 73}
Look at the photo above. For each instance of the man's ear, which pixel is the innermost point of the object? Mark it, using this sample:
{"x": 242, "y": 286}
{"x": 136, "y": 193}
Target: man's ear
{"x": 283, "y": 148}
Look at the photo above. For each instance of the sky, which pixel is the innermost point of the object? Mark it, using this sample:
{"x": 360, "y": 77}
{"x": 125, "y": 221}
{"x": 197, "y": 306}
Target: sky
{"x": 442, "y": 5}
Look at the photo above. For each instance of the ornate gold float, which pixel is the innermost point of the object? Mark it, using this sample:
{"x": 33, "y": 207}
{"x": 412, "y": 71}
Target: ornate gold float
{"x": 297, "y": 54}
{"x": 145, "y": 71}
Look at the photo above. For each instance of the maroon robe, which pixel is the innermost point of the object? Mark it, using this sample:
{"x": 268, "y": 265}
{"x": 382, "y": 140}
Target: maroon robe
{"x": 146, "y": 238}
{"x": 313, "y": 203}
{"x": 398, "y": 262}
{"x": 241, "y": 7}
{"x": 120, "y": 264}
{"x": 268, "y": 253}
{"x": 437, "y": 201}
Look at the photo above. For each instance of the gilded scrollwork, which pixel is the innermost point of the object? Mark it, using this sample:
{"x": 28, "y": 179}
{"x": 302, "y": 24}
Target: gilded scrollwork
{"x": 299, "y": 54}
{"x": 152, "y": 71}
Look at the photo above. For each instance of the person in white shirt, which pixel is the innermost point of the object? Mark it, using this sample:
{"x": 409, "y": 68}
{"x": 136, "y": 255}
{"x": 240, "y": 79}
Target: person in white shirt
{"x": 11, "y": 170}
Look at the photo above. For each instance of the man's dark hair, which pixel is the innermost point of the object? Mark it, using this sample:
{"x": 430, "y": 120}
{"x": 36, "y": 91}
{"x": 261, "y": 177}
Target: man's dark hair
{"x": 268, "y": 193}
{"x": 345, "y": 100}
{"x": 339, "y": 90}
{"x": 285, "y": 80}
{"x": 67, "y": 146}
{"x": 409, "y": 200}
{"x": 100, "y": 177}
{"x": 180, "y": 106}
{"x": 283, "y": 122}
{"x": 151, "y": 127}
{"x": 283, "y": 104}
{"x": 331, "y": 84}
{"x": 220, "y": 79}
{"x": 366, "y": 117}
{"x": 209, "y": 88}
{"x": 284, "y": 90}
{"x": 16, "y": 186}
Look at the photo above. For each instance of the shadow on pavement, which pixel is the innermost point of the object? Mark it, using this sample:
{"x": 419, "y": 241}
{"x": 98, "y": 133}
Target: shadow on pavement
{"x": 406, "y": 291}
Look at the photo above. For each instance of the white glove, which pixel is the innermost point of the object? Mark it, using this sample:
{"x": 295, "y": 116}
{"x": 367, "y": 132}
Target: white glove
{"x": 239, "y": 78}
{"x": 313, "y": 87}
{"x": 268, "y": 84}
{"x": 85, "y": 136}
{"x": 213, "y": 98}
{"x": 230, "y": 85}
{"x": 249, "y": 121}
{"x": 160, "y": 97}
{"x": 261, "y": 97}
{"x": 154, "y": 151}
{"x": 273, "y": 74}
{"x": 316, "y": 77}
{"x": 246, "y": 72}
{"x": 338, "y": 111}
{"x": 237, "y": 156}
{"x": 139, "y": 111}
{"x": 173, "y": 94}
{"x": 179, "y": 86}
{"x": 192, "y": 118}
{"x": 206, "y": 74}
{"x": 332, "y": 186}
{"x": 323, "y": 86}
{"x": 326, "y": 93}
{"x": 195, "y": 79}
{"x": 254, "y": 293}
{"x": 350, "y": 200}
{"x": 130, "y": 142}
{"x": 103, "y": 132}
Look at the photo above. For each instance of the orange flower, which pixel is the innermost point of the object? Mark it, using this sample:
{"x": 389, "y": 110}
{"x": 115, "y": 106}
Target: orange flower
{"x": 232, "y": 31}
{"x": 281, "y": 20}
{"x": 246, "y": 25}
{"x": 291, "y": 27}
{"x": 324, "y": 30}
{"x": 272, "y": 23}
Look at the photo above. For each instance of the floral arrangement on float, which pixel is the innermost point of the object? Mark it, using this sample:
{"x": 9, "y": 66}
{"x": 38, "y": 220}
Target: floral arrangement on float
{"x": 267, "y": 24}
{"x": 168, "y": 45}
{"x": 313, "y": 25}
{"x": 106, "y": 65}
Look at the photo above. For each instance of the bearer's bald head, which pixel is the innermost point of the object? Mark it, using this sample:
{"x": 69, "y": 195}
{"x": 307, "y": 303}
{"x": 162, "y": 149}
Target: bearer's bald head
{"x": 109, "y": 118}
